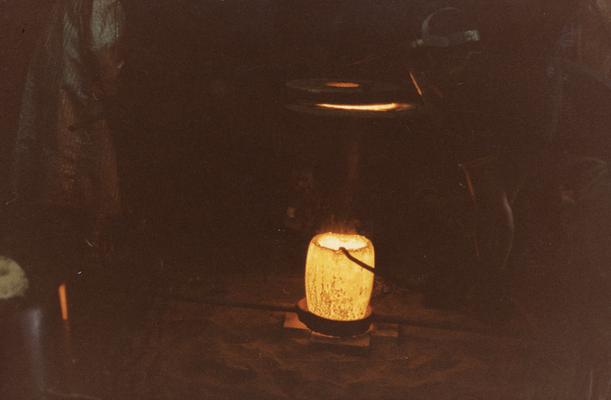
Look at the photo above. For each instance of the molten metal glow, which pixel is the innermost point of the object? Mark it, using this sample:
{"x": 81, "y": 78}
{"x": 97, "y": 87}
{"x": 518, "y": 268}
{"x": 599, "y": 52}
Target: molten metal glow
{"x": 336, "y": 287}
{"x": 381, "y": 107}
{"x": 336, "y": 241}
{"x": 343, "y": 85}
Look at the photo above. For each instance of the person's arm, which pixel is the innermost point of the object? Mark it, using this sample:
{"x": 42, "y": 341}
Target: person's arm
{"x": 491, "y": 198}
{"x": 107, "y": 31}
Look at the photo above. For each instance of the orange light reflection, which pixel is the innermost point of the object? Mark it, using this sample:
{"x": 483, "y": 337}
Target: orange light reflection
{"x": 343, "y": 85}
{"x": 63, "y": 301}
{"x": 415, "y": 82}
{"x": 381, "y": 107}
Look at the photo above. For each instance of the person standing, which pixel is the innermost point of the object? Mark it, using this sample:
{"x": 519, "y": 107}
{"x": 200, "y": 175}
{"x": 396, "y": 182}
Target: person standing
{"x": 64, "y": 165}
{"x": 581, "y": 71}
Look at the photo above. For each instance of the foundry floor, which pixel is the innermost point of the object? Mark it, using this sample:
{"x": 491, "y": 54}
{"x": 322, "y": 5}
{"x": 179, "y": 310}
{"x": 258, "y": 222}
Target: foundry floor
{"x": 200, "y": 329}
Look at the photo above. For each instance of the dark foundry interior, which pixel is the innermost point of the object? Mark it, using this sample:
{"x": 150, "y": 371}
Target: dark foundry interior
{"x": 299, "y": 199}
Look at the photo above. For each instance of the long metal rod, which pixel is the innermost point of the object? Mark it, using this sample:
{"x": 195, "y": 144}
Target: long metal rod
{"x": 381, "y": 318}
{"x": 357, "y": 261}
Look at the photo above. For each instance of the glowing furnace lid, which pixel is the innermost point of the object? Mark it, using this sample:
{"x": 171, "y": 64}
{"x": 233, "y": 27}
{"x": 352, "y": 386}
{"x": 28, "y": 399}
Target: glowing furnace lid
{"x": 353, "y": 98}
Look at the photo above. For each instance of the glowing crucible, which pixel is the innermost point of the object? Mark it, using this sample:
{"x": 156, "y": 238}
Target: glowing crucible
{"x": 337, "y": 288}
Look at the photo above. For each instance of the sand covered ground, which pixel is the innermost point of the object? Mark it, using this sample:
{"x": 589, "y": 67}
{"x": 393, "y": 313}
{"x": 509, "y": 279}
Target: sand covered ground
{"x": 179, "y": 347}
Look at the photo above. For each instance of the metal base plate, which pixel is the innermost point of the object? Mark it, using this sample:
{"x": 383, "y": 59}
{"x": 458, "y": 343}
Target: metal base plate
{"x": 331, "y": 327}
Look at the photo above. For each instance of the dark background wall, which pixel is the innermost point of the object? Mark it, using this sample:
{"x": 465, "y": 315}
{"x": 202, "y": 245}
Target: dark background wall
{"x": 200, "y": 96}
